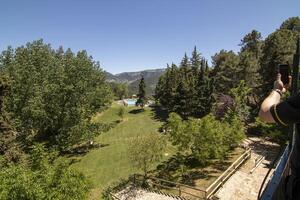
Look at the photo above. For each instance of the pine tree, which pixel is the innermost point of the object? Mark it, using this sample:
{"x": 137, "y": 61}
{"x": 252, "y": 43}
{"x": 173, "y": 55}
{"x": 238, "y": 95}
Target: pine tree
{"x": 204, "y": 95}
{"x": 181, "y": 100}
{"x": 196, "y": 61}
{"x": 141, "y": 101}
{"x": 252, "y": 42}
{"x": 226, "y": 71}
{"x": 291, "y": 23}
{"x": 278, "y": 49}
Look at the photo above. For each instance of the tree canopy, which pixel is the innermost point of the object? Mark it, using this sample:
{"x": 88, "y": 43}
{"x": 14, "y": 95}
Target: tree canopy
{"x": 53, "y": 92}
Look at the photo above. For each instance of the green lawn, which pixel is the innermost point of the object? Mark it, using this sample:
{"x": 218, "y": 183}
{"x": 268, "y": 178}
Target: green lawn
{"x": 110, "y": 163}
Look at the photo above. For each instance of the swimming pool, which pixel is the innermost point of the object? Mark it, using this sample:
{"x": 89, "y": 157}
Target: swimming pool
{"x": 130, "y": 102}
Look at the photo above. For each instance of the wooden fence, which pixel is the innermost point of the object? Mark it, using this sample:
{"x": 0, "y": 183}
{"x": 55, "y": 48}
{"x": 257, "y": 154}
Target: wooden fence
{"x": 179, "y": 189}
{"x": 226, "y": 175}
{"x": 189, "y": 192}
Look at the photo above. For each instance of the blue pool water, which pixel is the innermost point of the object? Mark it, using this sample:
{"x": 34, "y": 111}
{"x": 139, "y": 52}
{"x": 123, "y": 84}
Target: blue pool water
{"x": 130, "y": 102}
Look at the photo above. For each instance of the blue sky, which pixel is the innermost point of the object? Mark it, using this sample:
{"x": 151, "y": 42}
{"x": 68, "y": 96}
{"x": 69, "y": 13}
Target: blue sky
{"x": 132, "y": 35}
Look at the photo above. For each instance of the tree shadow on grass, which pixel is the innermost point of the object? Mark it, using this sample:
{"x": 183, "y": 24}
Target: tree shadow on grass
{"x": 190, "y": 177}
{"x": 180, "y": 168}
{"x": 136, "y": 111}
{"x": 82, "y": 149}
{"x": 220, "y": 165}
{"x": 159, "y": 113}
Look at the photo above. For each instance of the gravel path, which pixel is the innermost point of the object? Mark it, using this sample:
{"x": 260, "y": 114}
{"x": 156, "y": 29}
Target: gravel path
{"x": 243, "y": 184}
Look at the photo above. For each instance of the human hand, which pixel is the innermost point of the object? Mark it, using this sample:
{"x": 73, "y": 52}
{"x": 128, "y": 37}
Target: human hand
{"x": 278, "y": 84}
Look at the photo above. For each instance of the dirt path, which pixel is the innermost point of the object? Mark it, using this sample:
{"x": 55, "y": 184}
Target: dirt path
{"x": 243, "y": 184}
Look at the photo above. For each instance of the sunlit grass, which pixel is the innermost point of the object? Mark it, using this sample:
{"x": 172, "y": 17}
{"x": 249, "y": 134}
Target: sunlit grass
{"x": 110, "y": 163}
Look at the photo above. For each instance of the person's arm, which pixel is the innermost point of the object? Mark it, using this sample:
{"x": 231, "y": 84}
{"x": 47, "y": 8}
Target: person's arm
{"x": 264, "y": 112}
{"x": 272, "y": 100}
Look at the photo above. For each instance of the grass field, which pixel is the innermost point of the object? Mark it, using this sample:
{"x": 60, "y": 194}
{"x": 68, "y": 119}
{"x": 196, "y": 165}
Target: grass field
{"x": 110, "y": 163}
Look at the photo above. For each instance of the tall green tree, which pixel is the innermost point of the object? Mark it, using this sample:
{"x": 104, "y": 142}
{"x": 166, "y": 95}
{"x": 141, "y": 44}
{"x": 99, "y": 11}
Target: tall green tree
{"x": 53, "y": 92}
{"x": 226, "y": 71}
{"x": 250, "y": 55}
{"x": 204, "y": 138}
{"x": 279, "y": 48}
{"x": 141, "y": 101}
{"x": 252, "y": 42}
{"x": 120, "y": 90}
{"x": 291, "y": 23}
{"x": 146, "y": 150}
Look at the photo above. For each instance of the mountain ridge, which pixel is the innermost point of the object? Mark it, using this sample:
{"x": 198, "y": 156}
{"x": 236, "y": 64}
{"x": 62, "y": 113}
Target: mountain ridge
{"x": 132, "y": 79}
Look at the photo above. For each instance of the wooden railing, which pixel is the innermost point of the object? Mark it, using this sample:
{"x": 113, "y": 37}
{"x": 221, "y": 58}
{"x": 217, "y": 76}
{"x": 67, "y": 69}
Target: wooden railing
{"x": 226, "y": 175}
{"x": 114, "y": 196}
{"x": 180, "y": 190}
{"x": 185, "y": 191}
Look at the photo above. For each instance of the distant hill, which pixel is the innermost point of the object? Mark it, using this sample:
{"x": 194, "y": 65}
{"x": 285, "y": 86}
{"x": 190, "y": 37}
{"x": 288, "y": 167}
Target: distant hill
{"x": 132, "y": 79}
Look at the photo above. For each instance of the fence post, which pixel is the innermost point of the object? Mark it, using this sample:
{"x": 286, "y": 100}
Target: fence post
{"x": 179, "y": 190}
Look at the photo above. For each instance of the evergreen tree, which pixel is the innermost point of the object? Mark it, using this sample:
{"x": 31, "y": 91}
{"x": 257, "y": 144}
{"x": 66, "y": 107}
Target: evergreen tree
{"x": 205, "y": 99}
{"x": 278, "y": 49}
{"x": 196, "y": 61}
{"x": 291, "y": 23}
{"x": 141, "y": 101}
{"x": 226, "y": 71}
{"x": 252, "y": 42}
{"x": 185, "y": 69}
{"x": 251, "y": 52}
{"x": 182, "y": 106}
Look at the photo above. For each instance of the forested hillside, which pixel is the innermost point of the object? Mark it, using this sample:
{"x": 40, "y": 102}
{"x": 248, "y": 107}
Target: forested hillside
{"x": 131, "y": 79}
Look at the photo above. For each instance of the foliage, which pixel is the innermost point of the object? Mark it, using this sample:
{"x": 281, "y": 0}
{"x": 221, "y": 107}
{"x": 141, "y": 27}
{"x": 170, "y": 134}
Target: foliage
{"x": 250, "y": 55}
{"x": 204, "y": 138}
{"x": 223, "y": 103}
{"x": 117, "y": 141}
{"x": 9, "y": 147}
{"x": 277, "y": 134}
{"x": 141, "y": 101}
{"x": 121, "y": 112}
{"x": 291, "y": 23}
{"x": 240, "y": 108}
{"x": 226, "y": 71}
{"x": 145, "y": 150}
{"x": 42, "y": 179}
{"x": 120, "y": 90}
{"x": 187, "y": 89}
{"x": 279, "y": 48}
{"x": 53, "y": 92}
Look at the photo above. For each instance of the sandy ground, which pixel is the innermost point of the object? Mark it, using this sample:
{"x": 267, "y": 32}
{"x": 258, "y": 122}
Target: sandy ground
{"x": 243, "y": 184}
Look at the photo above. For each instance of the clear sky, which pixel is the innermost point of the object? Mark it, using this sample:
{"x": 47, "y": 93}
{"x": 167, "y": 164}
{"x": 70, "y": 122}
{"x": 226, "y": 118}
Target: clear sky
{"x": 131, "y": 35}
